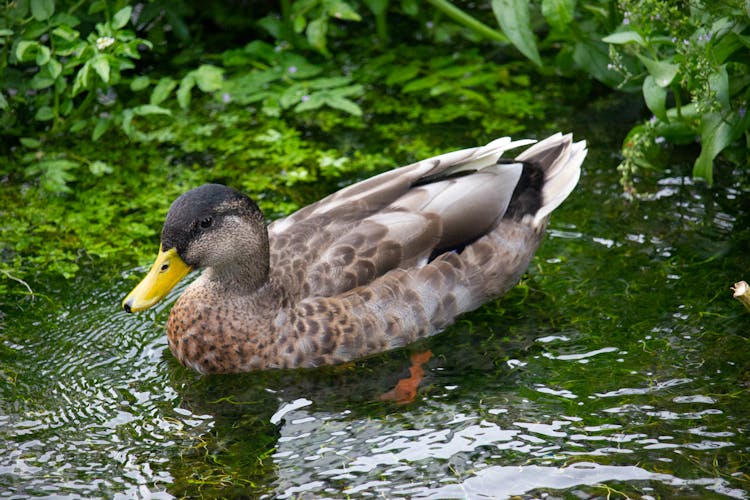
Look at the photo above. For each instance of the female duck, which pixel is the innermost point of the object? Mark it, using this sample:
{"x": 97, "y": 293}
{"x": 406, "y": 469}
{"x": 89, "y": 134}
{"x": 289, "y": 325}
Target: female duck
{"x": 372, "y": 267}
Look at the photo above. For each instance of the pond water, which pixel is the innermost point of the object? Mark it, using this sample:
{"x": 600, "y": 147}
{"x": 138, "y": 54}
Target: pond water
{"x": 619, "y": 367}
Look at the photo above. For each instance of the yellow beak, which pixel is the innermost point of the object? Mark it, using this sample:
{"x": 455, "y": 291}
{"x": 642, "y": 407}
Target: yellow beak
{"x": 167, "y": 271}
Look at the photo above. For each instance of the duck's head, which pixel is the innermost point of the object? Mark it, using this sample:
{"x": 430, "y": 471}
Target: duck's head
{"x": 211, "y": 226}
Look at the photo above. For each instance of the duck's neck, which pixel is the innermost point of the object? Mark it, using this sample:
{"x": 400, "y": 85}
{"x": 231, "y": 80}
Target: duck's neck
{"x": 246, "y": 271}
{"x": 241, "y": 279}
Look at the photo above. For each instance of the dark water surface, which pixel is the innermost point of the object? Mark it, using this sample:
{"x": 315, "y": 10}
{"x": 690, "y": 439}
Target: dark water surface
{"x": 620, "y": 367}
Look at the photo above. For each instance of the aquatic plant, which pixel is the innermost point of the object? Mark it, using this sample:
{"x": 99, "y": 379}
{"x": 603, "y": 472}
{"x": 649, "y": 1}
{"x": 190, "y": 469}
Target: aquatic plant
{"x": 694, "y": 73}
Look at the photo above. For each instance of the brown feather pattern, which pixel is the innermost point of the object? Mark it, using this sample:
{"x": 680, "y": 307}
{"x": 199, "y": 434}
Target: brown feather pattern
{"x": 372, "y": 267}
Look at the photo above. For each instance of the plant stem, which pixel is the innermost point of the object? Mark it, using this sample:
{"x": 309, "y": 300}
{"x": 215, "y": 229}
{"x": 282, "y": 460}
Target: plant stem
{"x": 465, "y": 19}
{"x": 19, "y": 280}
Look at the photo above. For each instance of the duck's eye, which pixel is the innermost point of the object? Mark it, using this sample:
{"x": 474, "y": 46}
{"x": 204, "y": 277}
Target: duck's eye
{"x": 206, "y": 223}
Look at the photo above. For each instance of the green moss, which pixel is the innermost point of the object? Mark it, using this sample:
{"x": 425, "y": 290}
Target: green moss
{"x": 118, "y": 189}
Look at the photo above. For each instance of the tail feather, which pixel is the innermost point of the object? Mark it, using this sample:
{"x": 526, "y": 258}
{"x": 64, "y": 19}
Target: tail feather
{"x": 561, "y": 160}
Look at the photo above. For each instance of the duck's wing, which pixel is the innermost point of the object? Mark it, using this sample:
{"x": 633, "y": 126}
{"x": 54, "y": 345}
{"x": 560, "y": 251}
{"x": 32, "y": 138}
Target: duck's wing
{"x": 399, "y": 219}
{"x": 407, "y": 303}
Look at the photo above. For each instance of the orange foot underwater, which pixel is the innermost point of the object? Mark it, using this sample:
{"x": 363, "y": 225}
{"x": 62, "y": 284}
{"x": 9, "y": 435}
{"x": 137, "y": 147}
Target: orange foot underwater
{"x": 406, "y": 388}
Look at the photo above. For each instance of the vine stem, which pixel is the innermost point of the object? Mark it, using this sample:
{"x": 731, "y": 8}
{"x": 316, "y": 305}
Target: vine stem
{"x": 470, "y": 22}
{"x": 19, "y": 280}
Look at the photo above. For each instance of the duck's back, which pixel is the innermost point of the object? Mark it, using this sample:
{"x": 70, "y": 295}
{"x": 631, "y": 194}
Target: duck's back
{"x": 407, "y": 217}
{"x": 397, "y": 257}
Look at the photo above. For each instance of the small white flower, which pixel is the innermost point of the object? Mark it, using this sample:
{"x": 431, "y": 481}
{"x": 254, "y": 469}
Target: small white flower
{"x": 104, "y": 41}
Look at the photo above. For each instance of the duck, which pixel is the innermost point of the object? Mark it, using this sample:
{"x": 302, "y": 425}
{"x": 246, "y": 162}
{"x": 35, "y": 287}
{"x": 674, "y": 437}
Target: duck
{"x": 373, "y": 267}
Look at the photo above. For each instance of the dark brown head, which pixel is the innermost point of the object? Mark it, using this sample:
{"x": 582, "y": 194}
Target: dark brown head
{"x": 214, "y": 227}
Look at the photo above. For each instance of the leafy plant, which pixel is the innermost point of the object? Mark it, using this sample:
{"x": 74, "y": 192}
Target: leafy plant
{"x": 695, "y": 74}
{"x": 311, "y": 17}
{"x": 279, "y": 79}
{"x": 65, "y": 79}
{"x": 62, "y": 74}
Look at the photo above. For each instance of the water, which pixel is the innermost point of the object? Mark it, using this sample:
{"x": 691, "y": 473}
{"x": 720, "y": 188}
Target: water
{"x": 618, "y": 368}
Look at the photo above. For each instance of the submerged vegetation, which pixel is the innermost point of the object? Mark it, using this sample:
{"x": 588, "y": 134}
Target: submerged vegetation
{"x": 110, "y": 109}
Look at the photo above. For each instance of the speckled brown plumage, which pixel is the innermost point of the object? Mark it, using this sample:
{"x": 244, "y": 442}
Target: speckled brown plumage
{"x": 372, "y": 267}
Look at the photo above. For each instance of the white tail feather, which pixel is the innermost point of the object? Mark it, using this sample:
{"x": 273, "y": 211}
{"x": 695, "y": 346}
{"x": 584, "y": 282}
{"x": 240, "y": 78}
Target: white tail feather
{"x": 562, "y": 176}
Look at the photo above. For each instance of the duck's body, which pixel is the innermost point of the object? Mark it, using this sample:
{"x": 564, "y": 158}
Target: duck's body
{"x": 372, "y": 267}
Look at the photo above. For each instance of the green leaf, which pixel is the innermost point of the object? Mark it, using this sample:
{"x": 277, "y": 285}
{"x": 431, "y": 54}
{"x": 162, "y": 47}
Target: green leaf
{"x": 593, "y": 56}
{"x": 718, "y": 82}
{"x": 316, "y": 34}
{"x": 65, "y": 19}
{"x": 150, "y": 109}
{"x": 344, "y": 104}
{"x": 42, "y": 9}
{"x": 139, "y": 83}
{"x": 100, "y": 64}
{"x": 43, "y": 55}
{"x": 314, "y": 101}
{"x": 296, "y": 94}
{"x": 427, "y": 82}
{"x": 78, "y": 125}
{"x": 624, "y": 37}
{"x": 261, "y": 50}
{"x": 97, "y": 6}
{"x": 299, "y": 25}
{"x": 66, "y": 33}
{"x": 41, "y": 80}
{"x": 54, "y": 175}
{"x": 662, "y": 71}
{"x": 3, "y": 102}
{"x": 656, "y": 98}
{"x": 729, "y": 44}
{"x": 349, "y": 90}
{"x": 296, "y": 66}
{"x": 328, "y": 82}
{"x": 402, "y": 74}
{"x": 183, "y": 92}
{"x": 377, "y": 7}
{"x": 410, "y": 7}
{"x": 162, "y": 90}
{"x": 342, "y": 10}
{"x": 716, "y": 135}
{"x": 273, "y": 25}
{"x": 127, "y": 122}
{"x": 102, "y": 125}
{"x": 54, "y": 67}
{"x": 44, "y": 114}
{"x": 30, "y": 142}
{"x": 23, "y": 47}
{"x": 513, "y": 17}
{"x": 99, "y": 168}
{"x": 121, "y": 18}
{"x": 209, "y": 78}
{"x": 83, "y": 78}
{"x": 558, "y": 13}
{"x": 67, "y": 106}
